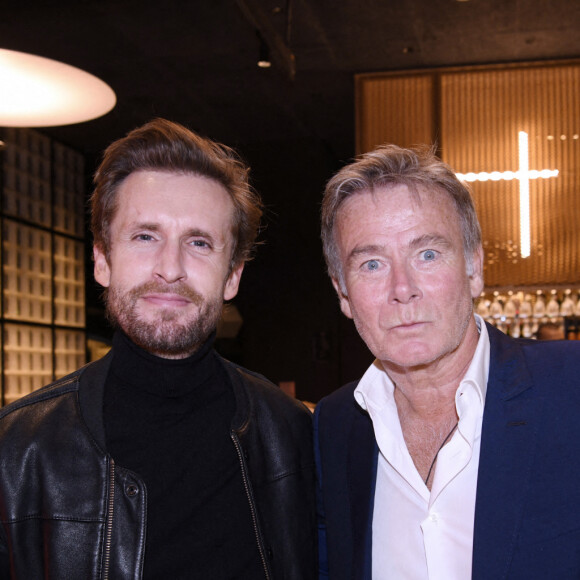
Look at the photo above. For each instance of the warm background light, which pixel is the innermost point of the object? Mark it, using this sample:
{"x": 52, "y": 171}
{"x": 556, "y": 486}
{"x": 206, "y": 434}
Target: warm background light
{"x": 506, "y": 175}
{"x": 525, "y": 241}
{"x": 40, "y": 92}
{"x": 527, "y": 200}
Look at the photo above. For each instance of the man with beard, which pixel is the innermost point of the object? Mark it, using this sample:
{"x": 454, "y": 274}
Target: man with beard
{"x": 161, "y": 460}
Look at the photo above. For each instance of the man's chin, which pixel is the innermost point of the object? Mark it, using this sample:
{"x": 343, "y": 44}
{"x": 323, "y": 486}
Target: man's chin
{"x": 155, "y": 315}
{"x": 164, "y": 331}
{"x": 170, "y": 338}
{"x": 411, "y": 357}
{"x": 179, "y": 343}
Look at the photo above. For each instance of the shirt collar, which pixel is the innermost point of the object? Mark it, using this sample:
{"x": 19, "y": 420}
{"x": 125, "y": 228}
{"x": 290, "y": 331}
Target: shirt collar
{"x": 478, "y": 370}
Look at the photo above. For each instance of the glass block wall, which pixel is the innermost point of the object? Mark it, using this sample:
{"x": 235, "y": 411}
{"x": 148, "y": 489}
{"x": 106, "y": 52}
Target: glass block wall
{"x": 42, "y": 287}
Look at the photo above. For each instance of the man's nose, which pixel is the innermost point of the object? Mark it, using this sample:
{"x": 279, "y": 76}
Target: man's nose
{"x": 169, "y": 264}
{"x": 404, "y": 286}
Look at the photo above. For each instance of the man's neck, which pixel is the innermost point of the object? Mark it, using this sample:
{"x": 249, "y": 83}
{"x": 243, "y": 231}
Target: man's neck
{"x": 427, "y": 393}
{"x": 425, "y": 399}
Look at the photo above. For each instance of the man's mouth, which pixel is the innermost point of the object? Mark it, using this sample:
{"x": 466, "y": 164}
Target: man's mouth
{"x": 407, "y": 325}
{"x": 166, "y": 299}
{"x": 174, "y": 296}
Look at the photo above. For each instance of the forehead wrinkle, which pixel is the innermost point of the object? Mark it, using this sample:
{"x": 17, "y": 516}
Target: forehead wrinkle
{"x": 154, "y": 227}
{"x": 424, "y": 240}
{"x": 366, "y": 250}
{"x": 429, "y": 239}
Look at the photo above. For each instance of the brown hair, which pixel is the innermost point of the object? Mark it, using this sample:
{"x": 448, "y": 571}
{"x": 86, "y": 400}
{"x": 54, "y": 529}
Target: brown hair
{"x": 390, "y": 165}
{"x": 162, "y": 145}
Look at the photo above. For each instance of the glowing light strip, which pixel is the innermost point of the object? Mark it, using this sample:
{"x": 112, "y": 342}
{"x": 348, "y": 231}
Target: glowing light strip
{"x": 507, "y": 175}
{"x": 524, "y": 194}
{"x": 523, "y": 175}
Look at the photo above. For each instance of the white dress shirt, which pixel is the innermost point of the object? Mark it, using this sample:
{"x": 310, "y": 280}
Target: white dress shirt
{"x": 420, "y": 534}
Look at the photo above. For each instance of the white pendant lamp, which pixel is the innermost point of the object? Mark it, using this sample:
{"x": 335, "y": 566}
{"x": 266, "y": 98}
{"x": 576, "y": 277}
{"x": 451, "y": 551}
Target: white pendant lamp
{"x": 40, "y": 92}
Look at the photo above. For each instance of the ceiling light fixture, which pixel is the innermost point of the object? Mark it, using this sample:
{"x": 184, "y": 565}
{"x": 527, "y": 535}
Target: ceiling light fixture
{"x": 264, "y": 56}
{"x": 260, "y": 20}
{"x": 41, "y": 92}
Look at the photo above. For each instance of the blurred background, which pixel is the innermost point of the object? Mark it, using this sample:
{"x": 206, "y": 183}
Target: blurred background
{"x": 308, "y": 108}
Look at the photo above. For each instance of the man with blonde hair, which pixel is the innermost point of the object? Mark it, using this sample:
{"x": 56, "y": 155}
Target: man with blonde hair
{"x": 456, "y": 455}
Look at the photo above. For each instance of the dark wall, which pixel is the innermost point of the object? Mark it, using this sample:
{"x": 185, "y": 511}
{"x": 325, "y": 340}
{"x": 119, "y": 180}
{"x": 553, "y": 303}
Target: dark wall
{"x": 293, "y": 328}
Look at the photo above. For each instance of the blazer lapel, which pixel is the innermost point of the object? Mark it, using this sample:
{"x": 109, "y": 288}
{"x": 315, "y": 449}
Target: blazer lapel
{"x": 509, "y": 434}
{"x": 362, "y": 475}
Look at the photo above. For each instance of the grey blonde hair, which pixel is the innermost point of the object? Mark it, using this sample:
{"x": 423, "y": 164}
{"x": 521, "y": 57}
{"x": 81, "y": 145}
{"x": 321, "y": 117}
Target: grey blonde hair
{"x": 388, "y": 166}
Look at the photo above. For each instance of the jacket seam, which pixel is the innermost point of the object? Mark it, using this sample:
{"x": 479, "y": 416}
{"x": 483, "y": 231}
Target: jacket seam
{"x": 291, "y": 473}
{"x": 50, "y": 518}
{"x": 55, "y": 390}
{"x": 252, "y": 504}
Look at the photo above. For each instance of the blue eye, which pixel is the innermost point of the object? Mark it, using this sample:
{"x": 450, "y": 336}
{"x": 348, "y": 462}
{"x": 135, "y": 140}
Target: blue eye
{"x": 428, "y": 255}
{"x": 372, "y": 265}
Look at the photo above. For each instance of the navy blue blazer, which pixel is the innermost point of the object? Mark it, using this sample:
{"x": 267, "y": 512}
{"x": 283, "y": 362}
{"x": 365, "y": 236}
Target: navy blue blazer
{"x": 527, "y": 510}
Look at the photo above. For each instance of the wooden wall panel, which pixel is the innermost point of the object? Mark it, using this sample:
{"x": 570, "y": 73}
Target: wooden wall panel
{"x": 475, "y": 115}
{"x": 394, "y": 110}
{"x": 481, "y": 115}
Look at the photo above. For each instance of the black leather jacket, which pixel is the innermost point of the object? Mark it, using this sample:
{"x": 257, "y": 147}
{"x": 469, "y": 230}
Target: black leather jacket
{"x": 69, "y": 512}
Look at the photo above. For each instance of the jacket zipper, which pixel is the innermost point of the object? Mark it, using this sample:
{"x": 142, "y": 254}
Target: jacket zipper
{"x": 238, "y": 447}
{"x": 109, "y": 524}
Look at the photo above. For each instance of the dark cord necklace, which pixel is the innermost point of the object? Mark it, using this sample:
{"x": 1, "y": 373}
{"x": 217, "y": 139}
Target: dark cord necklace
{"x": 440, "y": 447}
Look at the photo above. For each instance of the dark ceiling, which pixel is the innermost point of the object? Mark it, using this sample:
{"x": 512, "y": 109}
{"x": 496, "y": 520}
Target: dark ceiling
{"x": 195, "y": 62}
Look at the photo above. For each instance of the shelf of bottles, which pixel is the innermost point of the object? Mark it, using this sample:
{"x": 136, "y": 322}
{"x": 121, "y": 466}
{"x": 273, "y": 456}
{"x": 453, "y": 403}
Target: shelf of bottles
{"x": 42, "y": 260}
{"x": 528, "y": 312}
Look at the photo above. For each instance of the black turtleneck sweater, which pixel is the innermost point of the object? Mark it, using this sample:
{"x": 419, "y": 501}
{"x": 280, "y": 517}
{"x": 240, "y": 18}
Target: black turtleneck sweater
{"x": 169, "y": 421}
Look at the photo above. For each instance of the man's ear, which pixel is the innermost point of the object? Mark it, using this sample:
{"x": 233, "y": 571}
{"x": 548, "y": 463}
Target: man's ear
{"x": 342, "y": 298}
{"x": 476, "y": 273}
{"x": 233, "y": 281}
{"x": 102, "y": 269}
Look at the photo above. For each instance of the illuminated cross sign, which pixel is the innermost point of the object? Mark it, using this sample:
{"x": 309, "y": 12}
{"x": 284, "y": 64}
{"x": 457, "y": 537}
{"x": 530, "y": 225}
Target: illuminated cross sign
{"x": 524, "y": 174}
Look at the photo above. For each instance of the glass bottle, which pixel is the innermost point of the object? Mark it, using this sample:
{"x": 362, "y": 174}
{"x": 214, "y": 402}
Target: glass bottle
{"x": 496, "y": 309}
{"x": 510, "y": 309}
{"x": 527, "y": 329}
{"x": 567, "y": 306}
{"x": 553, "y": 307}
{"x": 526, "y": 309}
{"x": 540, "y": 305}
{"x": 515, "y": 329}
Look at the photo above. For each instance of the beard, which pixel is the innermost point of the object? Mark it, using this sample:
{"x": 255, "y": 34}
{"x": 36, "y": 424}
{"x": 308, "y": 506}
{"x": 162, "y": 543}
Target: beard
{"x": 166, "y": 336}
